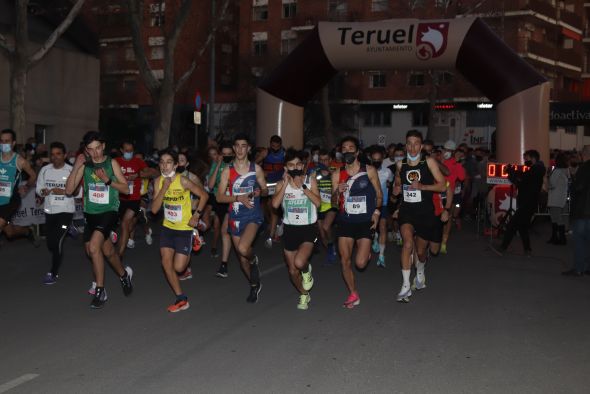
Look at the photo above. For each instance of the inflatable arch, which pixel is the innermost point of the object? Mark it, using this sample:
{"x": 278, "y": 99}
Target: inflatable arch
{"x": 520, "y": 93}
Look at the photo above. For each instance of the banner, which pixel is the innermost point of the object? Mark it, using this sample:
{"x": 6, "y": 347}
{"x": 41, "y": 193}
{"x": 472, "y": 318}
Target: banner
{"x": 31, "y": 210}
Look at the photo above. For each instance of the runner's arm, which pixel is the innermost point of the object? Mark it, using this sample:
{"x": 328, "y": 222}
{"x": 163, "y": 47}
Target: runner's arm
{"x": 439, "y": 180}
{"x": 76, "y": 175}
{"x": 213, "y": 177}
{"x": 277, "y": 199}
{"x": 221, "y": 189}
{"x": 158, "y": 196}
{"x": 26, "y": 167}
{"x": 197, "y": 190}
{"x": 120, "y": 183}
{"x": 443, "y": 169}
{"x": 40, "y": 188}
{"x": 335, "y": 194}
{"x": 314, "y": 192}
{"x": 374, "y": 178}
{"x": 149, "y": 173}
{"x": 261, "y": 180}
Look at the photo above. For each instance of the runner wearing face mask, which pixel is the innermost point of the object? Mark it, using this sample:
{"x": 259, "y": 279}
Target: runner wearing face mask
{"x": 385, "y": 179}
{"x": 299, "y": 196}
{"x": 327, "y": 211}
{"x": 394, "y": 201}
{"x": 453, "y": 200}
{"x": 417, "y": 177}
{"x": 357, "y": 193}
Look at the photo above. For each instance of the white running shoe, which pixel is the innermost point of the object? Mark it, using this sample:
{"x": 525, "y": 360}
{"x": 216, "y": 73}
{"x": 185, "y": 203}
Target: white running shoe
{"x": 148, "y": 237}
{"x": 92, "y": 291}
{"x": 129, "y": 271}
{"x": 404, "y": 294}
{"x": 130, "y": 244}
{"x": 417, "y": 285}
{"x": 268, "y": 243}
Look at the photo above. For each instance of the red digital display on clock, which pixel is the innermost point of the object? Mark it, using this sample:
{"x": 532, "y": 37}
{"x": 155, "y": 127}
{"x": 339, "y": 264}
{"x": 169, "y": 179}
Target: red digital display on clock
{"x": 498, "y": 172}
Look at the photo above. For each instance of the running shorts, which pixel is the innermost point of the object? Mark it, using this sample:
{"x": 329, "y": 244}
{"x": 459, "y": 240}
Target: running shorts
{"x": 103, "y": 222}
{"x": 132, "y": 205}
{"x": 179, "y": 240}
{"x": 355, "y": 231}
{"x": 426, "y": 226}
{"x": 293, "y": 236}
{"x": 237, "y": 227}
{"x": 322, "y": 215}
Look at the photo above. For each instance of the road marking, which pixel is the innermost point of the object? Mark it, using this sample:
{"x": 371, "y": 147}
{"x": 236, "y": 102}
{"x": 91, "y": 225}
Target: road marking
{"x": 271, "y": 270}
{"x": 17, "y": 382}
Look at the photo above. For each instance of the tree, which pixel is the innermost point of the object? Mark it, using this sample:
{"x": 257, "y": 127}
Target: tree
{"x": 162, "y": 91}
{"x": 21, "y": 61}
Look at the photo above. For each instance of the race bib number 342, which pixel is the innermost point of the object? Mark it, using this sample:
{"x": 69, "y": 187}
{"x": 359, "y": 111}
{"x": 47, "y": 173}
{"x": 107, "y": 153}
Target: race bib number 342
{"x": 412, "y": 195}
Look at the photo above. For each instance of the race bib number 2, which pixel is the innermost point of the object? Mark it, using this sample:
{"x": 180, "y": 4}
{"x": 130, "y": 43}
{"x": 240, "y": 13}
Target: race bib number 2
{"x": 297, "y": 216}
{"x": 412, "y": 195}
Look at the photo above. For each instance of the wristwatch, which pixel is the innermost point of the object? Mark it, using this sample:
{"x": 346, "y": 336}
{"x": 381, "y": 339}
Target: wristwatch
{"x": 108, "y": 183}
{"x": 198, "y": 211}
{"x": 304, "y": 186}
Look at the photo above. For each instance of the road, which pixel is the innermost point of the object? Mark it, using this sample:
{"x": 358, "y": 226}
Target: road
{"x": 484, "y": 325}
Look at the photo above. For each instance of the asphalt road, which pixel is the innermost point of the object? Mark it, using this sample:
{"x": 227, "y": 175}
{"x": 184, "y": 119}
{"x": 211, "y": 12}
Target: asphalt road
{"x": 484, "y": 325}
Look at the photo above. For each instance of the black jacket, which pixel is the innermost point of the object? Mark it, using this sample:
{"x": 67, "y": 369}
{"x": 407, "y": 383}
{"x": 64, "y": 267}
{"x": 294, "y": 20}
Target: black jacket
{"x": 529, "y": 185}
{"x": 580, "y": 193}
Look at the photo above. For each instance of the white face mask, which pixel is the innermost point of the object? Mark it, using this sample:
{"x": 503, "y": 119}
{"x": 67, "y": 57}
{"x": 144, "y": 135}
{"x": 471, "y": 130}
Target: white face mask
{"x": 171, "y": 175}
{"x": 316, "y": 158}
{"x": 398, "y": 158}
{"x": 447, "y": 155}
{"x": 339, "y": 156}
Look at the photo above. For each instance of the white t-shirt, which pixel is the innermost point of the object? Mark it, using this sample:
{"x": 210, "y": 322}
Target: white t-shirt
{"x": 50, "y": 177}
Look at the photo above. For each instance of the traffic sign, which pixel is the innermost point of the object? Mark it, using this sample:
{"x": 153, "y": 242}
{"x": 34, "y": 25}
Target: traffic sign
{"x": 198, "y": 101}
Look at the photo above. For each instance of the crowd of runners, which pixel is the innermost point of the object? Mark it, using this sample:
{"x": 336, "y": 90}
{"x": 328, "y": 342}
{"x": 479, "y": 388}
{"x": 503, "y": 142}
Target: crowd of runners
{"x": 349, "y": 200}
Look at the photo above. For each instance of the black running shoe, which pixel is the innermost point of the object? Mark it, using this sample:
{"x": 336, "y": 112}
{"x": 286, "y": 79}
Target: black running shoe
{"x": 222, "y": 271}
{"x": 254, "y": 291}
{"x": 126, "y": 282}
{"x": 100, "y": 297}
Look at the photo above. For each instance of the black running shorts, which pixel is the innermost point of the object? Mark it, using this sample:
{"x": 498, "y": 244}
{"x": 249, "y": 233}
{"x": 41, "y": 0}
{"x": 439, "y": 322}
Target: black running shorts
{"x": 426, "y": 225}
{"x": 355, "y": 231}
{"x": 103, "y": 222}
{"x": 179, "y": 240}
{"x": 293, "y": 236}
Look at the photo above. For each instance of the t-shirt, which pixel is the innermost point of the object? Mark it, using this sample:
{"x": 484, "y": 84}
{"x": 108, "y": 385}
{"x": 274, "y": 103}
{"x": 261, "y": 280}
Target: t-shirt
{"x": 49, "y": 177}
{"x": 131, "y": 167}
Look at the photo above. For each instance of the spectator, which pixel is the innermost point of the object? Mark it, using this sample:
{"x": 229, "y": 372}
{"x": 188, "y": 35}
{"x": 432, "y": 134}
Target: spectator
{"x": 558, "y": 185}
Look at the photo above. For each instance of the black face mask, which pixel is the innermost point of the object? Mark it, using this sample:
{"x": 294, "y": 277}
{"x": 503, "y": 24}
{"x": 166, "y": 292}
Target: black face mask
{"x": 349, "y": 157}
{"x": 180, "y": 169}
{"x": 227, "y": 159}
{"x": 528, "y": 163}
{"x": 275, "y": 150}
{"x": 294, "y": 173}
{"x": 377, "y": 164}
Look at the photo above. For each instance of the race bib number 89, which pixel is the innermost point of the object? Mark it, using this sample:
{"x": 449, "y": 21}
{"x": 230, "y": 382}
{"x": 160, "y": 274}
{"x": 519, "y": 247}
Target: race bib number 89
{"x": 356, "y": 205}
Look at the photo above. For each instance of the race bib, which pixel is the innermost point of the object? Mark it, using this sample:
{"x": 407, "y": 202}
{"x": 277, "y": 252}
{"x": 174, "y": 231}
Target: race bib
{"x": 98, "y": 194}
{"x": 297, "y": 215}
{"x": 173, "y": 213}
{"x": 272, "y": 188}
{"x": 130, "y": 184}
{"x": 326, "y": 197}
{"x": 59, "y": 201}
{"x": 412, "y": 195}
{"x": 356, "y": 205}
{"x": 5, "y": 189}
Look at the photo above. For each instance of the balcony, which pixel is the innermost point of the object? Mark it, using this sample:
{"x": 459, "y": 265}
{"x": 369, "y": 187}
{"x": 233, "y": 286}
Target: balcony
{"x": 571, "y": 57}
{"x": 572, "y": 19}
{"x": 541, "y": 49}
{"x": 305, "y": 21}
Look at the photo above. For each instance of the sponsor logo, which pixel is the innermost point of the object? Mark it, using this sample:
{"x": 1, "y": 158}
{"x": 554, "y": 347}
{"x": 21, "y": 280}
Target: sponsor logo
{"x": 413, "y": 175}
{"x": 431, "y": 40}
{"x": 3, "y": 171}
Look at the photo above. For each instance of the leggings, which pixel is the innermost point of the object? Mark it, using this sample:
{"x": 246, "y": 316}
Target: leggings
{"x": 57, "y": 228}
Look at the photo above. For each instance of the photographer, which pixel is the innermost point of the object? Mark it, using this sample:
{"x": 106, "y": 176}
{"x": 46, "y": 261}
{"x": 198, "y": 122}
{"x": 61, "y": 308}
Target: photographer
{"x": 529, "y": 185}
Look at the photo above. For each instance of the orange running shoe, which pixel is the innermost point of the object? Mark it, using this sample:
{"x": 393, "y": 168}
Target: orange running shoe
{"x": 179, "y": 305}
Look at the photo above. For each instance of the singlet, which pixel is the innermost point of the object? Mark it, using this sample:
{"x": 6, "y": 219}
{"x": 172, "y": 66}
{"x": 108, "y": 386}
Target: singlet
{"x": 385, "y": 178}
{"x": 243, "y": 184}
{"x": 325, "y": 187}
{"x": 416, "y": 201}
{"x": 273, "y": 165}
{"x": 145, "y": 184}
{"x": 131, "y": 167}
{"x": 358, "y": 202}
{"x": 9, "y": 179}
{"x": 222, "y": 165}
{"x": 177, "y": 205}
{"x": 98, "y": 197}
{"x": 298, "y": 210}
{"x": 49, "y": 177}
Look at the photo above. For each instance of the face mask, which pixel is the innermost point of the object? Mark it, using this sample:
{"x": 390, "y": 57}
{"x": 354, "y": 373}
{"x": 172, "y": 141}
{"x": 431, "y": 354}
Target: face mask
{"x": 377, "y": 164}
{"x": 294, "y": 173}
{"x": 227, "y": 159}
{"x": 6, "y": 148}
{"x": 34, "y": 145}
{"x": 413, "y": 158}
{"x": 72, "y": 160}
{"x": 171, "y": 175}
{"x": 338, "y": 156}
{"x": 447, "y": 155}
{"x": 128, "y": 155}
{"x": 528, "y": 163}
{"x": 180, "y": 169}
{"x": 398, "y": 158}
{"x": 315, "y": 158}
{"x": 349, "y": 157}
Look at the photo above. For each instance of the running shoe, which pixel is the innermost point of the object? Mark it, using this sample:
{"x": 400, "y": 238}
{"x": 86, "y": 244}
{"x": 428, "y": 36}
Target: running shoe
{"x": 400, "y": 242}
{"x": 214, "y": 253}
{"x": 73, "y": 231}
{"x": 390, "y": 236}
{"x": 404, "y": 294}
{"x": 100, "y": 297}
{"x": 222, "y": 271}
{"x": 268, "y": 243}
{"x": 375, "y": 246}
{"x": 92, "y": 291}
{"x": 443, "y": 248}
{"x": 307, "y": 279}
{"x": 254, "y": 291}
{"x": 352, "y": 300}
{"x": 130, "y": 244}
{"x": 126, "y": 282}
{"x": 187, "y": 274}
{"x": 304, "y": 302}
{"x": 148, "y": 237}
{"x": 50, "y": 279}
{"x": 381, "y": 261}
{"x": 114, "y": 237}
{"x": 417, "y": 285}
{"x": 202, "y": 226}
{"x": 331, "y": 256}
{"x": 196, "y": 241}
{"x": 180, "y": 304}
{"x": 33, "y": 236}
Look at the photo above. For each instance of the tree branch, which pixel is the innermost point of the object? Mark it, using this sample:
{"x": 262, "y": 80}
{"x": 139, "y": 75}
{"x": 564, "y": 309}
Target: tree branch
{"x": 135, "y": 12}
{"x": 179, "y": 21}
{"x": 41, "y": 52}
{"x": 193, "y": 66}
{"x": 5, "y": 49}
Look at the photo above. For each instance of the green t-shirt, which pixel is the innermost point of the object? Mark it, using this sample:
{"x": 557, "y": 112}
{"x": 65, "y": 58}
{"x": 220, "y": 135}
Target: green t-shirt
{"x": 218, "y": 177}
{"x": 98, "y": 197}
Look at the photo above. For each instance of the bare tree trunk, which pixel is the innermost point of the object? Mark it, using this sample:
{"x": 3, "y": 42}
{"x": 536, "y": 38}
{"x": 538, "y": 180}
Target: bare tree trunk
{"x": 432, "y": 95}
{"x": 18, "y": 84}
{"x": 164, "y": 105}
{"x": 328, "y": 125}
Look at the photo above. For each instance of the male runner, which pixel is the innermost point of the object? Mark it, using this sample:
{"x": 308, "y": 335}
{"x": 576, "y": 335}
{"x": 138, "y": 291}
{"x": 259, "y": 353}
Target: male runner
{"x": 272, "y": 161}
{"x": 385, "y": 179}
{"x": 326, "y": 212}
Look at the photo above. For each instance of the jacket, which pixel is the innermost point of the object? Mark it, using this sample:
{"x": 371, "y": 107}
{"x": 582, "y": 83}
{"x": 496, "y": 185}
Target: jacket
{"x": 580, "y": 193}
{"x": 558, "y": 185}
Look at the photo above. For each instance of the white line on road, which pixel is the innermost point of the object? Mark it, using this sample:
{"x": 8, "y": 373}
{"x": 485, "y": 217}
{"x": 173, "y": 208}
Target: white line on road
{"x": 271, "y": 270}
{"x": 17, "y": 382}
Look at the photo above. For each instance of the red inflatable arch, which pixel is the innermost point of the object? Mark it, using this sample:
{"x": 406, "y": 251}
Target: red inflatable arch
{"x": 520, "y": 93}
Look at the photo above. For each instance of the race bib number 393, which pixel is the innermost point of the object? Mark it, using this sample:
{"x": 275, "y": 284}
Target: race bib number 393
{"x": 173, "y": 213}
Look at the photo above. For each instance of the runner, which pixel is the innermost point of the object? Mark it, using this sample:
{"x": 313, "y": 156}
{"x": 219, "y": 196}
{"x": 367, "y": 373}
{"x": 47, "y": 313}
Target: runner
{"x": 173, "y": 191}
{"x": 218, "y": 163}
{"x": 59, "y": 208}
{"x": 246, "y": 184}
{"x": 385, "y": 179}
{"x": 11, "y": 167}
{"x": 417, "y": 177}
{"x": 327, "y": 212}
{"x": 103, "y": 181}
{"x": 272, "y": 161}
{"x": 299, "y": 196}
{"x": 133, "y": 170}
{"x": 356, "y": 190}
{"x": 452, "y": 200}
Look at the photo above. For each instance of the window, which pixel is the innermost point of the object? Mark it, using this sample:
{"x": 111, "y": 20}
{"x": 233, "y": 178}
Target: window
{"x": 289, "y": 8}
{"x": 259, "y": 43}
{"x": 337, "y": 7}
{"x": 377, "y": 118}
{"x": 419, "y": 118}
{"x": 445, "y": 78}
{"x": 157, "y": 53}
{"x": 416, "y": 79}
{"x": 260, "y": 13}
{"x": 157, "y": 11}
{"x": 288, "y": 40}
{"x": 157, "y": 20}
{"x": 379, "y": 5}
{"x": 377, "y": 80}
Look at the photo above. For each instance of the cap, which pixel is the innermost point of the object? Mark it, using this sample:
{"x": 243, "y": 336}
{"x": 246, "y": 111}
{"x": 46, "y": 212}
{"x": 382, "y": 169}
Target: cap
{"x": 450, "y": 145}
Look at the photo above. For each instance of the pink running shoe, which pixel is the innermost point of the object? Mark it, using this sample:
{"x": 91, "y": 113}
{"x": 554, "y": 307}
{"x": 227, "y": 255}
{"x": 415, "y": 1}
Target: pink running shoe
{"x": 352, "y": 300}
